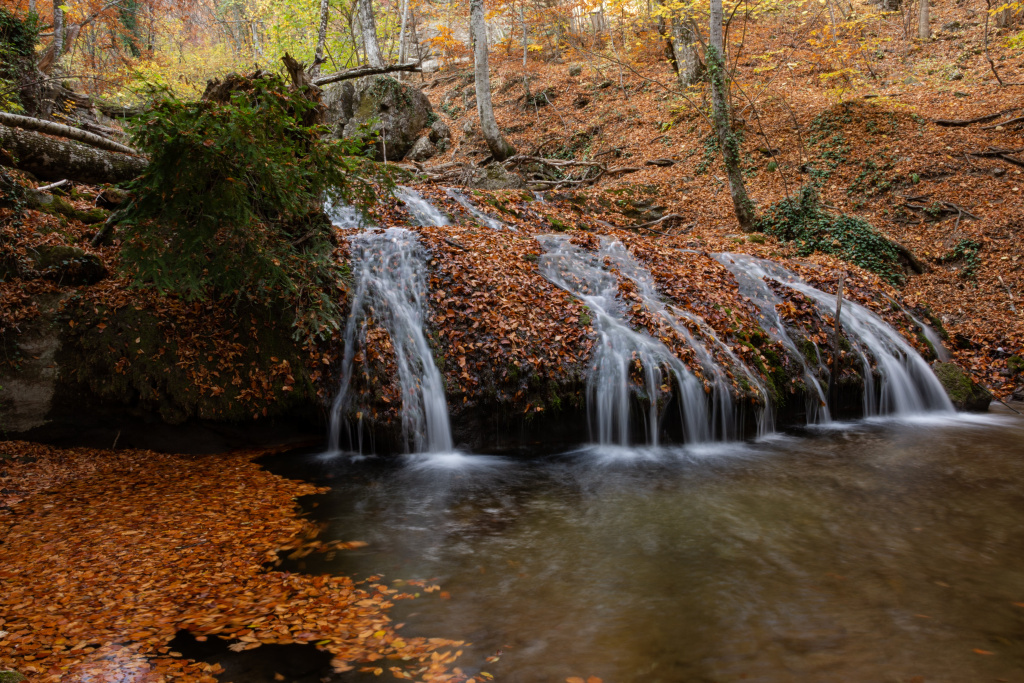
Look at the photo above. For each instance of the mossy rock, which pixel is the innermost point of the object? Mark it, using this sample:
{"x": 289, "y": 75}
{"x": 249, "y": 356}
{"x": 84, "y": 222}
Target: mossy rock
{"x": 11, "y": 677}
{"x": 67, "y": 265}
{"x": 126, "y": 360}
{"x": 965, "y": 393}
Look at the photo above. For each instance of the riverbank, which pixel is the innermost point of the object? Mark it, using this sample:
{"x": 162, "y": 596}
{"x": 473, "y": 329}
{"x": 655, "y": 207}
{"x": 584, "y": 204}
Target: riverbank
{"x": 106, "y": 556}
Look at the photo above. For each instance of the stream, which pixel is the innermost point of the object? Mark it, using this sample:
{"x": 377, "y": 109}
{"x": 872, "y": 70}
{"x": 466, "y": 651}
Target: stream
{"x": 880, "y": 550}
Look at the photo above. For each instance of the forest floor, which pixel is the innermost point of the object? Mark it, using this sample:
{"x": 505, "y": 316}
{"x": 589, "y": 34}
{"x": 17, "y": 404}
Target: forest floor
{"x": 877, "y": 148}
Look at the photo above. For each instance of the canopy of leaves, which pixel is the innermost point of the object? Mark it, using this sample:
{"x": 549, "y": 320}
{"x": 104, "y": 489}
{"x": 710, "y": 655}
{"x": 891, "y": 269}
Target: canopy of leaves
{"x": 231, "y": 203}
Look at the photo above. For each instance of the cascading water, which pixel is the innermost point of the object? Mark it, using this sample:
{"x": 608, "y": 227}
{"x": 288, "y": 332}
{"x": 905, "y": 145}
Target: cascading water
{"x": 423, "y": 212}
{"x": 346, "y": 217}
{"x": 583, "y": 274}
{"x": 390, "y": 274}
{"x": 908, "y": 385}
{"x": 463, "y": 200}
{"x": 751, "y": 276}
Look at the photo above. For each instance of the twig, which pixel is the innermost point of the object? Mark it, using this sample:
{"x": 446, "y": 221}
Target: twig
{"x": 1008, "y": 293}
{"x": 51, "y": 186}
{"x": 960, "y": 123}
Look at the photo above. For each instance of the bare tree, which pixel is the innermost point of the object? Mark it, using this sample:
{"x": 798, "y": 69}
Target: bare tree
{"x": 683, "y": 40}
{"x": 500, "y": 148}
{"x": 321, "y": 39}
{"x": 401, "y": 35}
{"x": 924, "y": 31}
{"x": 723, "y": 127}
{"x": 58, "y": 29}
{"x": 369, "y": 31}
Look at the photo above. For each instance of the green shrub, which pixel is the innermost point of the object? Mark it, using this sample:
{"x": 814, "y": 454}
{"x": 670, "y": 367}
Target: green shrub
{"x": 965, "y": 250}
{"x": 230, "y": 205}
{"x": 18, "y": 38}
{"x": 802, "y": 220}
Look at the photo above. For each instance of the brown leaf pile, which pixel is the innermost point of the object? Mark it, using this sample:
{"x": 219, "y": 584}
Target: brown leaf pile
{"x": 105, "y": 555}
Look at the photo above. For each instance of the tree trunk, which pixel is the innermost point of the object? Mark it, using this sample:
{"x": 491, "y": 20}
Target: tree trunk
{"x": 51, "y": 159}
{"x": 321, "y": 39}
{"x": 890, "y": 5}
{"x": 499, "y": 147}
{"x": 58, "y": 29}
{"x": 369, "y": 29}
{"x": 924, "y": 31}
{"x": 684, "y": 51}
{"x": 29, "y": 123}
{"x": 401, "y": 35}
{"x": 720, "y": 111}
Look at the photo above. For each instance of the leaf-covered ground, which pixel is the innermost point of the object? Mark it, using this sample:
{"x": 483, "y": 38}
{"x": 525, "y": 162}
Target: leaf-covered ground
{"x": 105, "y": 555}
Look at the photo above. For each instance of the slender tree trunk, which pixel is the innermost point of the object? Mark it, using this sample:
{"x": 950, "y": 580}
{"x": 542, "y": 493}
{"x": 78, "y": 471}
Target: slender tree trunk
{"x": 321, "y": 38}
{"x": 369, "y": 28}
{"x": 720, "y": 111}
{"x": 924, "y": 31}
{"x": 526, "y": 79}
{"x": 58, "y": 30}
{"x": 499, "y": 147}
{"x": 401, "y": 35}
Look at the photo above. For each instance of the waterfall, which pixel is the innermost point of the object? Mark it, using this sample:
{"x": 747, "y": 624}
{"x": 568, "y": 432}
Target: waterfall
{"x": 423, "y": 212}
{"x": 908, "y": 385}
{"x": 589, "y": 276}
{"x": 390, "y": 274}
{"x": 750, "y": 273}
{"x": 463, "y": 200}
{"x": 346, "y": 216}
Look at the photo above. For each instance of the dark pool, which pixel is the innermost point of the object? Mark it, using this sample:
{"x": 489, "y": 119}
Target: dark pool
{"x": 879, "y": 551}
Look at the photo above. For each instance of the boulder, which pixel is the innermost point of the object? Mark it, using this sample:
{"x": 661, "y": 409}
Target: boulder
{"x": 422, "y": 150}
{"x": 398, "y": 112}
{"x": 575, "y": 70}
{"x": 67, "y": 265}
{"x": 493, "y": 177}
{"x": 964, "y": 392}
{"x": 439, "y": 131}
{"x": 338, "y": 99}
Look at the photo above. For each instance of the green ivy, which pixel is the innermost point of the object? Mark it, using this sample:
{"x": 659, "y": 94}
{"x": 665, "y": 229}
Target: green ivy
{"x": 802, "y": 220}
{"x": 230, "y": 206}
{"x": 966, "y": 250}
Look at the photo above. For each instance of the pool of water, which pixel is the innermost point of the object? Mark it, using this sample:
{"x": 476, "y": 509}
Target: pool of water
{"x": 873, "y": 551}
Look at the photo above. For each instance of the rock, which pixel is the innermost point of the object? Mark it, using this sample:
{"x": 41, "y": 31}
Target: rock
{"x": 398, "y": 112}
{"x": 956, "y": 75}
{"x": 439, "y": 131}
{"x": 337, "y": 98}
{"x": 469, "y": 128}
{"x": 965, "y": 393}
{"x": 11, "y": 677}
{"x": 67, "y": 265}
{"x": 29, "y": 387}
{"x": 575, "y": 70}
{"x": 998, "y": 171}
{"x": 493, "y": 177}
{"x": 422, "y": 150}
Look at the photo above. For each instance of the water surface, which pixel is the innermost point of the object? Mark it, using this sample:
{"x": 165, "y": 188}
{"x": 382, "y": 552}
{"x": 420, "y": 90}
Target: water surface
{"x": 877, "y": 551}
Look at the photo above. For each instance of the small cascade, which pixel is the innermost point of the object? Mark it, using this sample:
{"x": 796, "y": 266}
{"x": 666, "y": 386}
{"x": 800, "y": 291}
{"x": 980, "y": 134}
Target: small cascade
{"x": 390, "y": 274}
{"x": 346, "y": 217}
{"x": 463, "y": 200}
{"x": 583, "y": 274}
{"x": 423, "y": 212}
{"x": 751, "y": 275}
{"x": 941, "y": 352}
{"x": 908, "y": 385}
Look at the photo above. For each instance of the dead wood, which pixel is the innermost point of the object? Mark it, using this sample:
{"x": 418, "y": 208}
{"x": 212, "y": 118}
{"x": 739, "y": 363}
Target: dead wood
{"x": 51, "y": 128}
{"x": 49, "y": 158}
{"x": 960, "y": 123}
{"x": 361, "y": 71}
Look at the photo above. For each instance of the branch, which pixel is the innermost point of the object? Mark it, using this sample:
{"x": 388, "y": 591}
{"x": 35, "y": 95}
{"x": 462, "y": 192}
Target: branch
{"x": 63, "y": 131}
{"x": 361, "y": 71}
{"x": 960, "y": 123}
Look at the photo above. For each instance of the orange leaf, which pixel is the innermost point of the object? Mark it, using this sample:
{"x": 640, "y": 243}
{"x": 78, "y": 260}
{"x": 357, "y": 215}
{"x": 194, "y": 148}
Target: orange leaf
{"x": 983, "y": 652}
{"x": 574, "y": 679}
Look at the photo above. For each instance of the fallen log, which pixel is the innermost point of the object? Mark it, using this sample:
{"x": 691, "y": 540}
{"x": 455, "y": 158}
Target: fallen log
{"x": 961, "y": 123}
{"x": 41, "y": 126}
{"x": 53, "y": 159}
{"x": 361, "y": 71}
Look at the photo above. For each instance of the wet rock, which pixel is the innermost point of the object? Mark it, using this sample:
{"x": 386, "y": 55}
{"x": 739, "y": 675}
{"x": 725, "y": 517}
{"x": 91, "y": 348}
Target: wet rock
{"x": 964, "y": 392}
{"x": 11, "y": 677}
{"x": 493, "y": 177}
{"x": 67, "y": 265}
{"x": 383, "y": 105}
{"x": 422, "y": 150}
{"x": 439, "y": 131}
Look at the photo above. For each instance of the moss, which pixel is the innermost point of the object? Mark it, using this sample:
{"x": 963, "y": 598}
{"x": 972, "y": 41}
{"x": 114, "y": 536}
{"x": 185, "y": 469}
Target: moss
{"x": 964, "y": 392}
{"x": 558, "y": 225}
{"x": 11, "y": 677}
{"x": 584, "y": 319}
{"x": 1015, "y": 364}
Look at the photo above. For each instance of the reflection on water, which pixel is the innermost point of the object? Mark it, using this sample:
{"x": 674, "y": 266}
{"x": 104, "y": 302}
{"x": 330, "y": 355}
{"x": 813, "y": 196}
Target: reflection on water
{"x": 880, "y": 551}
